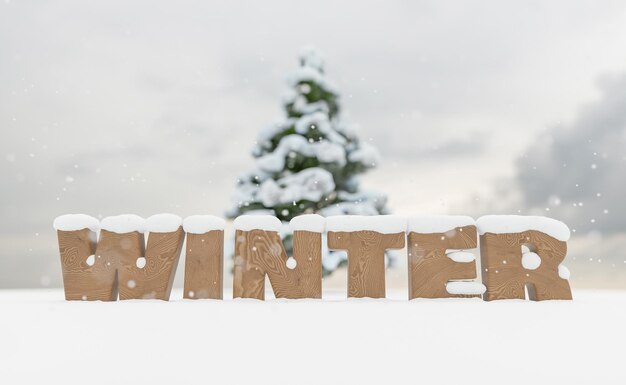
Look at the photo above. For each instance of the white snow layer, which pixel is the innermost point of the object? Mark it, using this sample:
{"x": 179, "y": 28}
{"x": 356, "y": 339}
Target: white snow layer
{"x": 308, "y": 222}
{"x": 465, "y": 288}
{"x": 366, "y": 154}
{"x": 163, "y": 223}
{"x": 502, "y": 224}
{"x": 431, "y": 224}
{"x": 564, "y": 272}
{"x": 325, "y": 151}
{"x": 310, "y": 57}
{"x": 531, "y": 261}
{"x": 359, "y": 203}
{"x": 291, "y": 263}
{"x": 36, "y": 352}
{"x": 73, "y": 222}
{"x": 350, "y": 208}
{"x": 384, "y": 224}
{"x": 125, "y": 223}
{"x": 461, "y": 256}
{"x": 257, "y": 222}
{"x": 310, "y": 184}
{"x": 301, "y": 105}
{"x": 310, "y": 74}
{"x": 200, "y": 224}
{"x": 319, "y": 121}
{"x": 266, "y": 133}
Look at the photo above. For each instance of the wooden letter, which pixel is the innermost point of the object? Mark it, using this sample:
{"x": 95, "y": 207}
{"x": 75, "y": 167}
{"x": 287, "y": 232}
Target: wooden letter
{"x": 366, "y": 238}
{"x": 430, "y": 268}
{"x": 119, "y": 261}
{"x": 260, "y": 251}
{"x": 155, "y": 279}
{"x": 84, "y": 276}
{"x": 501, "y": 241}
{"x": 204, "y": 258}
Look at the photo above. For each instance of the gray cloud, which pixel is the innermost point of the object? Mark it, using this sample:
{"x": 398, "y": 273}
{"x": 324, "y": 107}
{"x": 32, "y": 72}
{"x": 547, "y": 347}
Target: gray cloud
{"x": 578, "y": 170}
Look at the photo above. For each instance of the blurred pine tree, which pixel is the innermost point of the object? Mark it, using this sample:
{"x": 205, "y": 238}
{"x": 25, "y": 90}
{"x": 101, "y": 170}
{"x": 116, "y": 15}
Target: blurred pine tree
{"x": 308, "y": 163}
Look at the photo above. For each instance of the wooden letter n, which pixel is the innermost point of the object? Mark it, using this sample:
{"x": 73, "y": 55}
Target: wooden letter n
{"x": 259, "y": 251}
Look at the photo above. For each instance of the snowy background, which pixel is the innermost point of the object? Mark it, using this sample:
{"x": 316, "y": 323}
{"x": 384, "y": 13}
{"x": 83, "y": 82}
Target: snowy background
{"x": 109, "y": 107}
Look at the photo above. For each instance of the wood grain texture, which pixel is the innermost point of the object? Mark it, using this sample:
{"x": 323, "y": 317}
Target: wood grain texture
{"x": 80, "y": 280}
{"x": 259, "y": 252}
{"x": 155, "y": 279}
{"x": 204, "y": 265}
{"x": 115, "y": 260}
{"x": 505, "y": 277}
{"x": 366, "y": 259}
{"x": 307, "y": 251}
{"x": 429, "y": 267}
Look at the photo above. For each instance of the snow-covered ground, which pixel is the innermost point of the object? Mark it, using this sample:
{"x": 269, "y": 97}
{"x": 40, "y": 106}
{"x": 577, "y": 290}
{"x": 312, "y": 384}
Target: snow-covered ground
{"x": 44, "y": 339}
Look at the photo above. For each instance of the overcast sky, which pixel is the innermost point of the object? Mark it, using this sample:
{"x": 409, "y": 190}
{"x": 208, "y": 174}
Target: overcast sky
{"x": 109, "y": 107}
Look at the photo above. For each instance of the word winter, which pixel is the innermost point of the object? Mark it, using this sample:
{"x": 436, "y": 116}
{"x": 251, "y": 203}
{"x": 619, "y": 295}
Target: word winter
{"x": 517, "y": 254}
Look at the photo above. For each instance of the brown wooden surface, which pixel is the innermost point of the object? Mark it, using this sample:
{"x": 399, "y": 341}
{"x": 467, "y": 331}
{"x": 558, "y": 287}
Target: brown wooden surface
{"x": 429, "y": 267}
{"x": 259, "y": 252}
{"x": 155, "y": 279}
{"x": 81, "y": 281}
{"x": 366, "y": 259}
{"x": 307, "y": 251}
{"x": 115, "y": 266}
{"x": 204, "y": 265}
{"x": 507, "y": 280}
